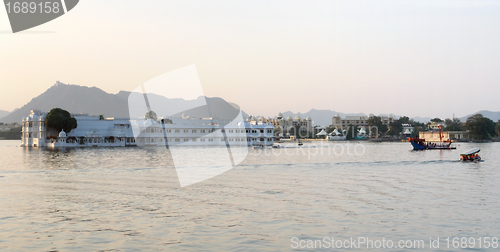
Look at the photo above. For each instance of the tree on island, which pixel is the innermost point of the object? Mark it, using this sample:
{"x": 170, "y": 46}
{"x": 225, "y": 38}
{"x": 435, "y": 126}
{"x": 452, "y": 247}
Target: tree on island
{"x": 452, "y": 125}
{"x": 480, "y": 127}
{"x": 295, "y": 131}
{"x": 376, "y": 121}
{"x": 437, "y": 120}
{"x": 151, "y": 115}
{"x": 59, "y": 120}
{"x": 397, "y": 125}
{"x": 351, "y": 132}
{"x": 277, "y": 131}
{"x": 497, "y": 128}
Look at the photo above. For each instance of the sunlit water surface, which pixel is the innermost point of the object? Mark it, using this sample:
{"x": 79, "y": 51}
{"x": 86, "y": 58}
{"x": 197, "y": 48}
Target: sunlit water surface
{"x": 130, "y": 198}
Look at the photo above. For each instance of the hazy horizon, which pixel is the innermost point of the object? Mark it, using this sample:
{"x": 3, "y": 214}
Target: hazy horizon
{"x": 420, "y": 59}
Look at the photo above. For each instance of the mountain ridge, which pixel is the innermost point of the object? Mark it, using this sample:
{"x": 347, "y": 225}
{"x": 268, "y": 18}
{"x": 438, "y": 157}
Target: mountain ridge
{"x": 3, "y": 113}
{"x": 94, "y": 101}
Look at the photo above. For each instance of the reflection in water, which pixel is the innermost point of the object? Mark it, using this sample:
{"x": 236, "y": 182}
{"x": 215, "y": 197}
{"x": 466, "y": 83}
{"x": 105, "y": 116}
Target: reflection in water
{"x": 130, "y": 198}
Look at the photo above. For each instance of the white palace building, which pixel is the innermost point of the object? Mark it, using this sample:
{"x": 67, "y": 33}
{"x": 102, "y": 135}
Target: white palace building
{"x": 95, "y": 131}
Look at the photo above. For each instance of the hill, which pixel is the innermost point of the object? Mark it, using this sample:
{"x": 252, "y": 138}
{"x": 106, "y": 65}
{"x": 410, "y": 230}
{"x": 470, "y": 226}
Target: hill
{"x": 3, "y": 113}
{"x": 94, "y": 101}
{"x": 75, "y": 99}
{"x": 495, "y": 116}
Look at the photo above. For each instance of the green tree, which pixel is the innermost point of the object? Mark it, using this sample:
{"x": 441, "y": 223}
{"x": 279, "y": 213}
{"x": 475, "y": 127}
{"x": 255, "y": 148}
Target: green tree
{"x": 330, "y": 129}
{"x": 12, "y": 134}
{"x": 497, "y": 128}
{"x": 480, "y": 127}
{"x": 151, "y": 115}
{"x": 437, "y": 120}
{"x": 452, "y": 124}
{"x": 59, "y": 120}
{"x": 351, "y": 132}
{"x": 294, "y": 131}
{"x": 416, "y": 131}
{"x": 396, "y": 127}
{"x": 376, "y": 121}
{"x": 277, "y": 131}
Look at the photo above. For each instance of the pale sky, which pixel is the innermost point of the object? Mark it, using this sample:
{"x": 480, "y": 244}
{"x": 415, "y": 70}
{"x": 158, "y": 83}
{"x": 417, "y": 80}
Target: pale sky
{"x": 416, "y": 58}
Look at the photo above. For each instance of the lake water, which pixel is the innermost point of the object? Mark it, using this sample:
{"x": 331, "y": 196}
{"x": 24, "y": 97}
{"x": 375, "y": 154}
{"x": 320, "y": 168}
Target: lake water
{"x": 129, "y": 199}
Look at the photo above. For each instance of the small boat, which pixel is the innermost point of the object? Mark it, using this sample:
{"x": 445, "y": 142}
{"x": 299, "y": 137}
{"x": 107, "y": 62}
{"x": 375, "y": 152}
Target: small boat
{"x": 258, "y": 147}
{"x": 471, "y": 156}
{"x": 277, "y": 146}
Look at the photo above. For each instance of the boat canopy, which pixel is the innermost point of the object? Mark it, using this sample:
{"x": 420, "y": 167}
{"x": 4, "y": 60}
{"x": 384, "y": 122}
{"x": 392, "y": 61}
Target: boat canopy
{"x": 322, "y": 133}
{"x": 335, "y": 132}
{"x": 471, "y": 152}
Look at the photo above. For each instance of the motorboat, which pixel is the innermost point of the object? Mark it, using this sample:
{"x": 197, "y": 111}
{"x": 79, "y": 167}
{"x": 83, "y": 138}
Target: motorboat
{"x": 471, "y": 155}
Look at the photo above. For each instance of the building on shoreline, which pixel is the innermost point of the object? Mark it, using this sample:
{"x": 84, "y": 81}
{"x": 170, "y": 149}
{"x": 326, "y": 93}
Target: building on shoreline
{"x": 284, "y": 126}
{"x": 357, "y": 121}
{"x": 94, "y": 131}
{"x": 343, "y": 123}
{"x": 433, "y": 136}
